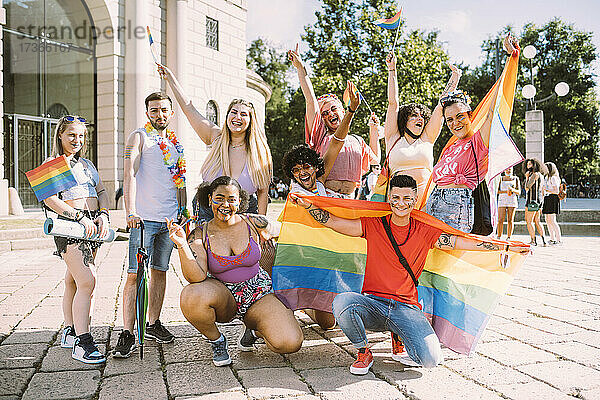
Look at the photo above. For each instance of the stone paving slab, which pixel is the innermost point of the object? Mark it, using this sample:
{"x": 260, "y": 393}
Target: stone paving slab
{"x": 63, "y": 385}
{"x": 537, "y": 346}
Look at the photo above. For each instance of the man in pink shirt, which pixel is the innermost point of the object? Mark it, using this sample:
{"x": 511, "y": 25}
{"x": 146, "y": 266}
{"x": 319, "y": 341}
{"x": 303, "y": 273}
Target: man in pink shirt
{"x": 323, "y": 116}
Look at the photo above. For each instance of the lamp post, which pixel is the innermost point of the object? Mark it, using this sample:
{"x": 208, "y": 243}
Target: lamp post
{"x": 534, "y": 119}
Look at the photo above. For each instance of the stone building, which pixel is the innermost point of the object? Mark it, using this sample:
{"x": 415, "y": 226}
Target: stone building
{"x": 92, "y": 58}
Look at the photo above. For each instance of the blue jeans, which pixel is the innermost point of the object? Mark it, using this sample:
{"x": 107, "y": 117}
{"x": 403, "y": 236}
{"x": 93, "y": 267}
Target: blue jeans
{"x": 356, "y": 312}
{"x": 453, "y": 206}
{"x": 156, "y": 242}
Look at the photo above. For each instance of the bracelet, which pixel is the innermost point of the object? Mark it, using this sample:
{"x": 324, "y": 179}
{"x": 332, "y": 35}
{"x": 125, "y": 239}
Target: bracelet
{"x": 391, "y": 70}
{"x": 506, "y": 248}
{"x": 79, "y": 215}
{"x": 338, "y": 139}
{"x": 351, "y": 110}
{"x": 103, "y": 209}
{"x": 130, "y": 215}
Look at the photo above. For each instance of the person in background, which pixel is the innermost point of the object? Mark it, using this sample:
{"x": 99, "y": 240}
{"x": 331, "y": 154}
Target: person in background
{"x": 534, "y": 188}
{"x": 508, "y": 201}
{"x": 551, "y": 206}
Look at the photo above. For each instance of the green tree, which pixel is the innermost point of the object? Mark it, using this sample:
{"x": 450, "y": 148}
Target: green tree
{"x": 344, "y": 44}
{"x": 571, "y": 123}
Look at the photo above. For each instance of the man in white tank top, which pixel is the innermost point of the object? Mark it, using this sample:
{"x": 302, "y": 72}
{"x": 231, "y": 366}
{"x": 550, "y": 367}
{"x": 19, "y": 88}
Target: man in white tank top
{"x": 152, "y": 156}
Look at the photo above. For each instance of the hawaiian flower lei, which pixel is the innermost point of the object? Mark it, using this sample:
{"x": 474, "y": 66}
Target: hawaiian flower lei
{"x": 175, "y": 167}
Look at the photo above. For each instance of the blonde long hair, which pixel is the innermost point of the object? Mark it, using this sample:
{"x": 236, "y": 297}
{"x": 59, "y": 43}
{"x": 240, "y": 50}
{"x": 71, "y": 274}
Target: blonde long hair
{"x": 258, "y": 153}
{"x": 61, "y": 126}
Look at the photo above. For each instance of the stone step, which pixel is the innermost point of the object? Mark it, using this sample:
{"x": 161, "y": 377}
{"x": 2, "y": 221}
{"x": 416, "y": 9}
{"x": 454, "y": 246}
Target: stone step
{"x": 566, "y": 228}
{"x": 24, "y": 233}
{"x": 28, "y": 244}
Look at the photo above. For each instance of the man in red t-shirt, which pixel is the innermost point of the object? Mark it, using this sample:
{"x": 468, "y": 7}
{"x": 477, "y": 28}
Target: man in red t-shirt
{"x": 389, "y": 300}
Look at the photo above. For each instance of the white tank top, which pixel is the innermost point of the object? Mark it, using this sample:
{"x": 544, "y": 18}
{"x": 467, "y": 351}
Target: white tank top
{"x": 156, "y": 194}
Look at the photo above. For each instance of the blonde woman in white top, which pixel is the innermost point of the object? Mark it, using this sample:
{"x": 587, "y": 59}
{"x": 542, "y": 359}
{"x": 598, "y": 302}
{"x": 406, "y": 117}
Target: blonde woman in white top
{"x": 508, "y": 201}
{"x": 239, "y": 149}
{"x": 552, "y": 202}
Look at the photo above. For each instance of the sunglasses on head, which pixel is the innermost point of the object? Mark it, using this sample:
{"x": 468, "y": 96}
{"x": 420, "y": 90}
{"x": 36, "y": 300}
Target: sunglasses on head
{"x": 71, "y": 118}
{"x": 458, "y": 95}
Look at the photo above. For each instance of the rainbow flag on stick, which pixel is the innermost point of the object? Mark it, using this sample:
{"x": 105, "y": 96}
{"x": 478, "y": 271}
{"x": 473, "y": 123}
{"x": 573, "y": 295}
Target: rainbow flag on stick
{"x": 151, "y": 44}
{"x": 458, "y": 290}
{"x": 389, "y": 23}
{"x": 51, "y": 177}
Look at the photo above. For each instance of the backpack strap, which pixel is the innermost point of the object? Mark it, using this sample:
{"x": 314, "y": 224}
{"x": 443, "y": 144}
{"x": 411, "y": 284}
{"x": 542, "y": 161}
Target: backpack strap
{"x": 401, "y": 257}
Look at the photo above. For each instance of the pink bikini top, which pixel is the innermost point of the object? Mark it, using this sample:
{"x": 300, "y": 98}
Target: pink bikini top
{"x": 234, "y": 269}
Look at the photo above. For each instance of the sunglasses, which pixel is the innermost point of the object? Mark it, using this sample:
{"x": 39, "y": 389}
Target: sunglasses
{"x": 70, "y": 119}
{"x": 458, "y": 95}
{"x": 304, "y": 167}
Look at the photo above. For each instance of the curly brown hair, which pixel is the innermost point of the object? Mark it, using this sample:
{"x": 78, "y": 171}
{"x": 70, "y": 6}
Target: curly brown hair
{"x": 406, "y": 110}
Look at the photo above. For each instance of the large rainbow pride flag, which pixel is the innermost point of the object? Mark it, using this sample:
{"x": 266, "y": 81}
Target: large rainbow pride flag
{"x": 503, "y": 153}
{"x": 51, "y": 177}
{"x": 458, "y": 290}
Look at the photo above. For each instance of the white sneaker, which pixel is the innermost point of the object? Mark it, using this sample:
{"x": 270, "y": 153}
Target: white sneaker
{"x": 405, "y": 359}
{"x": 67, "y": 339}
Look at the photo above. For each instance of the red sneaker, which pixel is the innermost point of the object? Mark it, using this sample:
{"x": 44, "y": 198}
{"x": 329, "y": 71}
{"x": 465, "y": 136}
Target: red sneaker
{"x": 364, "y": 361}
{"x": 397, "y": 347}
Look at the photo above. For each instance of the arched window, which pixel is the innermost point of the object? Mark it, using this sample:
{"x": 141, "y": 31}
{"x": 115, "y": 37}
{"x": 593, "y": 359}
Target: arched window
{"x": 212, "y": 113}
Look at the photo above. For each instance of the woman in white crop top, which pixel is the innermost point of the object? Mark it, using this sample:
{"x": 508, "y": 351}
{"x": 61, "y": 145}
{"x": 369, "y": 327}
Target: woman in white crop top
{"x": 239, "y": 149}
{"x": 87, "y": 204}
{"x": 509, "y": 189}
{"x": 411, "y": 130}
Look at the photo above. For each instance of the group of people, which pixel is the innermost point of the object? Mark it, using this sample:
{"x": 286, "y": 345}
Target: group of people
{"x": 221, "y": 256}
{"x": 544, "y": 191}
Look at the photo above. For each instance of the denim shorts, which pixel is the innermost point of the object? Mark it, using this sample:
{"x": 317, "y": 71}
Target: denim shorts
{"x": 453, "y": 206}
{"x": 156, "y": 242}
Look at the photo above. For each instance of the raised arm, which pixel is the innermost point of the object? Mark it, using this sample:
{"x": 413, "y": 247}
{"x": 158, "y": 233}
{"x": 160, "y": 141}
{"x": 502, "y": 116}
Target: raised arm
{"x": 391, "y": 115}
{"x": 447, "y": 241}
{"x": 192, "y": 254}
{"x": 312, "y": 107}
{"x": 349, "y": 227}
{"x": 130, "y": 166}
{"x": 434, "y": 126}
{"x": 510, "y": 45}
{"x": 375, "y": 154}
{"x": 204, "y": 128}
{"x": 337, "y": 142}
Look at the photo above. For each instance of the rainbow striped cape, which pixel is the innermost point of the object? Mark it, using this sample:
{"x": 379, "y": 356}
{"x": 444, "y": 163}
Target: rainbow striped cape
{"x": 458, "y": 290}
{"x": 503, "y": 153}
{"x": 51, "y": 177}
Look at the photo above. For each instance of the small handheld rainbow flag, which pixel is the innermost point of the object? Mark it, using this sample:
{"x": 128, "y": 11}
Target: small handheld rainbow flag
{"x": 346, "y": 98}
{"x": 389, "y": 23}
{"x": 51, "y": 177}
{"x": 151, "y": 43}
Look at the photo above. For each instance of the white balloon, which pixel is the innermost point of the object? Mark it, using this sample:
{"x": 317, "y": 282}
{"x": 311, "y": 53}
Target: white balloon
{"x": 529, "y": 52}
{"x": 562, "y": 89}
{"x": 528, "y": 91}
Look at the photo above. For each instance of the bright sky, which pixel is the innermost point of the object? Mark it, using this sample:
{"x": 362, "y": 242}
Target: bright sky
{"x": 463, "y": 25}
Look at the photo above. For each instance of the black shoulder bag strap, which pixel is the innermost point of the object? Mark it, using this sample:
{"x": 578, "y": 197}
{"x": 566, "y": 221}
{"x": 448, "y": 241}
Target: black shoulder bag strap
{"x": 401, "y": 257}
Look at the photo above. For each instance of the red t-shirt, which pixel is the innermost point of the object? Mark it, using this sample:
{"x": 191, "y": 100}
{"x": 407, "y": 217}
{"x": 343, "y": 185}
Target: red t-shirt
{"x": 384, "y": 275}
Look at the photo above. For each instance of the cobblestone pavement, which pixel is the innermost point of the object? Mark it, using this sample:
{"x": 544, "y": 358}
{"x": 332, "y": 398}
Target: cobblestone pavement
{"x": 542, "y": 343}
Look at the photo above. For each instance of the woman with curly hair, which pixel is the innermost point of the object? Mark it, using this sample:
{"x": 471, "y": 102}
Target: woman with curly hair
{"x": 239, "y": 149}
{"x": 220, "y": 260}
{"x": 534, "y": 171}
{"x": 411, "y": 130}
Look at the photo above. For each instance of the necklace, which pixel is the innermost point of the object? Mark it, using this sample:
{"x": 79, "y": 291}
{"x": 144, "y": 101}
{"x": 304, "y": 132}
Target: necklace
{"x": 175, "y": 167}
{"x": 407, "y": 235}
{"x": 235, "y": 146}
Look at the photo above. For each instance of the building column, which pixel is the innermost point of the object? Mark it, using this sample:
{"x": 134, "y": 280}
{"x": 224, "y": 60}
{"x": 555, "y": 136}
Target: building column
{"x": 534, "y": 134}
{"x": 3, "y": 180}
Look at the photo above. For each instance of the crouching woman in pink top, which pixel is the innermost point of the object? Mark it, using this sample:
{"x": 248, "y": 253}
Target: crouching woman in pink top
{"x": 463, "y": 165}
{"x": 220, "y": 260}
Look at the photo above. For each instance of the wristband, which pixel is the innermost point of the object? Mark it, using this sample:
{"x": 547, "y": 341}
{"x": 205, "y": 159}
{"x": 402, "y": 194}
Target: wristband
{"x": 507, "y": 246}
{"x": 338, "y": 139}
{"x": 130, "y": 215}
{"x": 351, "y": 110}
{"x": 391, "y": 70}
{"x": 79, "y": 215}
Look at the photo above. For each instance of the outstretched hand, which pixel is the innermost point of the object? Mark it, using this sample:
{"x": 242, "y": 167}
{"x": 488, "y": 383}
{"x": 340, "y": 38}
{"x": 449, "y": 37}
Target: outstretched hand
{"x": 294, "y": 57}
{"x": 390, "y": 61}
{"x": 354, "y": 96}
{"x": 164, "y": 71}
{"x": 511, "y": 43}
{"x": 454, "y": 69}
{"x": 301, "y": 201}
